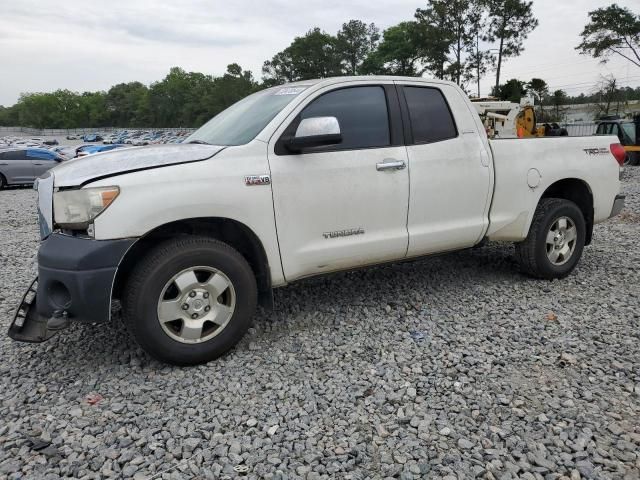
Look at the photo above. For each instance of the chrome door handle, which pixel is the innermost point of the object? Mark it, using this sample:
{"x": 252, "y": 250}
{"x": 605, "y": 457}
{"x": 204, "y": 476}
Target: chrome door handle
{"x": 391, "y": 165}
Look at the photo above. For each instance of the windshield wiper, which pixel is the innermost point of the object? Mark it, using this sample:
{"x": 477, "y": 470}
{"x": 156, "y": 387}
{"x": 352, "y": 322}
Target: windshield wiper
{"x": 200, "y": 142}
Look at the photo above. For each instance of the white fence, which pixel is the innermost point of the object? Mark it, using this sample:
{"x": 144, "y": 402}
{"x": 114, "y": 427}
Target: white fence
{"x": 580, "y": 129}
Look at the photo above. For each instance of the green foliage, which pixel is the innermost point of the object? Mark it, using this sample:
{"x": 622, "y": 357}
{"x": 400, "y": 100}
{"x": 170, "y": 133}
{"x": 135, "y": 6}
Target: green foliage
{"x": 181, "y": 99}
{"x": 314, "y": 55}
{"x": 606, "y": 95}
{"x": 510, "y": 22}
{"x": 540, "y": 90}
{"x": 538, "y": 87}
{"x": 444, "y": 39}
{"x": 318, "y": 54}
{"x": 558, "y": 99}
{"x": 612, "y": 30}
{"x": 511, "y": 91}
{"x": 126, "y": 104}
{"x": 450, "y": 37}
{"x": 399, "y": 52}
{"x": 355, "y": 41}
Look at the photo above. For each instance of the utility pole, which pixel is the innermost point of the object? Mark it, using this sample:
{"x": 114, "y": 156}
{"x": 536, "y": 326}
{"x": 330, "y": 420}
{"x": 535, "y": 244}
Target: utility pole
{"x": 499, "y": 63}
{"x": 478, "y": 59}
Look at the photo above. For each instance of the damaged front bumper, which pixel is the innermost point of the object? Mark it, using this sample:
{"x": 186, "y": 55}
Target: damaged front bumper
{"x": 75, "y": 281}
{"x": 27, "y": 325}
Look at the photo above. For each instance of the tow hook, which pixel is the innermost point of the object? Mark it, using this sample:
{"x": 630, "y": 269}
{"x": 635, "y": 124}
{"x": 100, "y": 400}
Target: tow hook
{"x": 59, "y": 320}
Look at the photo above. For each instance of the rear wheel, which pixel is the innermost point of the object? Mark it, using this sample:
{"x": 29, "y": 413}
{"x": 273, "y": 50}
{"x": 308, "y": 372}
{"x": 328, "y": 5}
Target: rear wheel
{"x": 190, "y": 300}
{"x": 555, "y": 241}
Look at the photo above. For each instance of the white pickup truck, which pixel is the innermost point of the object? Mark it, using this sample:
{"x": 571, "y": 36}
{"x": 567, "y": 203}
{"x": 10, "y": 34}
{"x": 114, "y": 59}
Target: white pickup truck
{"x": 295, "y": 181}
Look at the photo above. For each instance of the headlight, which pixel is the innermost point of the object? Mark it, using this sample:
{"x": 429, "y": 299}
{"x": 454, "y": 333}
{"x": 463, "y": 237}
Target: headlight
{"x": 76, "y": 209}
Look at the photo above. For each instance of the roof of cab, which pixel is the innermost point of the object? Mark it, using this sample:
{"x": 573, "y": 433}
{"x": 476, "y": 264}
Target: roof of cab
{"x": 386, "y": 78}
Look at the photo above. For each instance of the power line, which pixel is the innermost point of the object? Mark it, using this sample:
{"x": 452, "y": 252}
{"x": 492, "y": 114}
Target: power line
{"x": 551, "y": 66}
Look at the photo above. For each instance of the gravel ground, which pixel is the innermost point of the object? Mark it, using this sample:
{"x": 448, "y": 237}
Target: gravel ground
{"x": 452, "y": 367}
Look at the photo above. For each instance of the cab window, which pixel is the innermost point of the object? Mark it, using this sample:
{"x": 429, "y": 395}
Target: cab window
{"x": 430, "y": 116}
{"x": 361, "y": 112}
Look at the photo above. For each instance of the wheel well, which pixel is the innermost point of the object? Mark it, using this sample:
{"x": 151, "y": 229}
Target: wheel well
{"x": 579, "y": 193}
{"x": 231, "y": 232}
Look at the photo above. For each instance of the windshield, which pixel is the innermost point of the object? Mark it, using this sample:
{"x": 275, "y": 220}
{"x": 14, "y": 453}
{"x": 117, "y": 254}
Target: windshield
{"x": 242, "y": 121}
{"x": 630, "y": 130}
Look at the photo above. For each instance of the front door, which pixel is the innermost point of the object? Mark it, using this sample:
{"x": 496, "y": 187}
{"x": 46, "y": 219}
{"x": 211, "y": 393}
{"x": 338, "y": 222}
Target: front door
{"x": 16, "y": 167}
{"x": 339, "y": 207}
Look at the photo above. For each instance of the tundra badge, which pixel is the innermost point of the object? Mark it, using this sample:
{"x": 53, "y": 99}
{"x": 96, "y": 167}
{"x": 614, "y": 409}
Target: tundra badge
{"x": 344, "y": 233}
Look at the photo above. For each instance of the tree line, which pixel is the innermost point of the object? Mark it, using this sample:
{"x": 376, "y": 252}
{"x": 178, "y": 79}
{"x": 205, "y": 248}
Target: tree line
{"x": 607, "y": 97}
{"x": 181, "y": 99}
{"x": 456, "y": 40}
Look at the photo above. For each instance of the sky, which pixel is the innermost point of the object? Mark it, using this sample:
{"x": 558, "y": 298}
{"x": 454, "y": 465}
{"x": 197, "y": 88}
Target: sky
{"x": 86, "y": 45}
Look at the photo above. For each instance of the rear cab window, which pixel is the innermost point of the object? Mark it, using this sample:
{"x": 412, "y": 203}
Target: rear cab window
{"x": 429, "y": 115}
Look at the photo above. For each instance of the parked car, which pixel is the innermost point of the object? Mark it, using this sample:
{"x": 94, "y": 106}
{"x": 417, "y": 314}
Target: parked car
{"x": 628, "y": 132}
{"x": 66, "y": 151}
{"x": 92, "y": 137}
{"x": 21, "y": 166}
{"x": 295, "y": 181}
{"x": 91, "y": 149}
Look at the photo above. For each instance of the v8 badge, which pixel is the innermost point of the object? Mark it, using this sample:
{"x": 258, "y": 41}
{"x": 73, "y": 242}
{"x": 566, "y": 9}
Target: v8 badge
{"x": 251, "y": 180}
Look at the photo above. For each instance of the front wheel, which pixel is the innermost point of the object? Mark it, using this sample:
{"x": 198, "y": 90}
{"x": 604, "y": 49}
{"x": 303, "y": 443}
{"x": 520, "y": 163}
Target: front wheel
{"x": 190, "y": 300}
{"x": 555, "y": 241}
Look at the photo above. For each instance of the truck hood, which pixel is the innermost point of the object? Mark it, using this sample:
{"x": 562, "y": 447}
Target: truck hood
{"x": 79, "y": 171}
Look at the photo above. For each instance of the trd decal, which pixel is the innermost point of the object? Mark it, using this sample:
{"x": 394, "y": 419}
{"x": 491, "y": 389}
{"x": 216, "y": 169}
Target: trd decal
{"x": 596, "y": 151}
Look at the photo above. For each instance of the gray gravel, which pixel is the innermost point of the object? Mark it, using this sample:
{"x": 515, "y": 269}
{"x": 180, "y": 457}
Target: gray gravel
{"x": 452, "y": 367}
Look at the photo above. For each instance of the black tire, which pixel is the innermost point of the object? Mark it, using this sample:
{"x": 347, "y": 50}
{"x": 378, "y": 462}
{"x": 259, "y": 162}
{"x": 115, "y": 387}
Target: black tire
{"x": 632, "y": 159}
{"x": 531, "y": 254}
{"x": 3, "y": 181}
{"x": 148, "y": 279}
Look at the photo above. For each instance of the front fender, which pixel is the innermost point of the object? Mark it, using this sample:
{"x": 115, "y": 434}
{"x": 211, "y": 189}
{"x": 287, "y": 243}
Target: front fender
{"x": 206, "y": 189}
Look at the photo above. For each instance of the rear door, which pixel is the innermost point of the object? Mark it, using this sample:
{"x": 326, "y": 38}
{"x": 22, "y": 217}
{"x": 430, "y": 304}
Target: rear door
{"x": 450, "y": 173}
{"x": 15, "y": 166}
{"x": 41, "y": 161}
{"x": 339, "y": 207}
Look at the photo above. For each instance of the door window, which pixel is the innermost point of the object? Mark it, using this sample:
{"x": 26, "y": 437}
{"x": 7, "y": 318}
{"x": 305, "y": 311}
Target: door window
{"x": 14, "y": 155}
{"x": 40, "y": 155}
{"x": 361, "y": 112}
{"x": 430, "y": 116}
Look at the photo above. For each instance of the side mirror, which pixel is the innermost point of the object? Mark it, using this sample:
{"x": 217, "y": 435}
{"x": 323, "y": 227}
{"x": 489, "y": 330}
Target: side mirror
{"x": 315, "y": 132}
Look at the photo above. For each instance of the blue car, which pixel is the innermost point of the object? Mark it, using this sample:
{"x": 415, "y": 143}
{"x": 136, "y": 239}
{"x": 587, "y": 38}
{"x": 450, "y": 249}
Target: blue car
{"x": 92, "y": 137}
{"x": 91, "y": 149}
